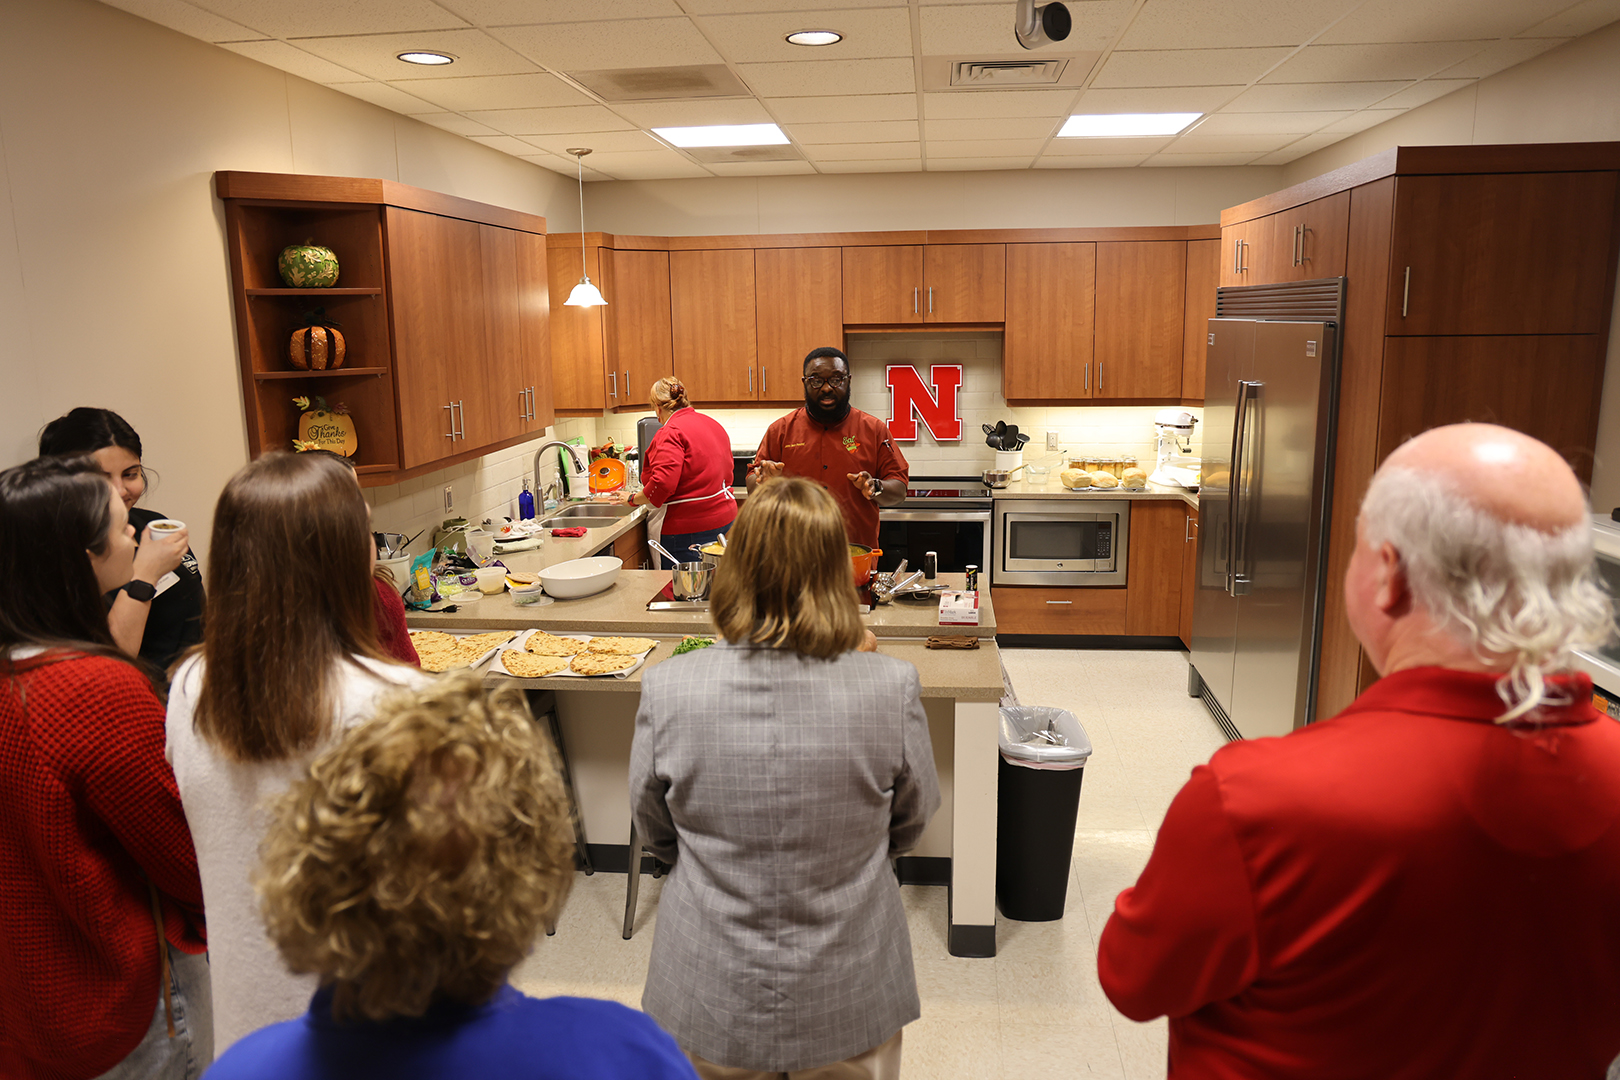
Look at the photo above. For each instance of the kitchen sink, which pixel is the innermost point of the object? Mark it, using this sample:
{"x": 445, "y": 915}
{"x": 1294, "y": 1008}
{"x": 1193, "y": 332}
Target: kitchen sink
{"x": 577, "y": 522}
{"x": 611, "y": 511}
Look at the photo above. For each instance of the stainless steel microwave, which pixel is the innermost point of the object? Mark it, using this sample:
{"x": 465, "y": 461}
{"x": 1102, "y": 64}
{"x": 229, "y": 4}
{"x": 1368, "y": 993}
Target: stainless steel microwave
{"x": 1081, "y": 540}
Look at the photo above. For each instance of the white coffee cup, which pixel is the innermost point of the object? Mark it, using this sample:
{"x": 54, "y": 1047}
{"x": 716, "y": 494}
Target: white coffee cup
{"x": 166, "y": 525}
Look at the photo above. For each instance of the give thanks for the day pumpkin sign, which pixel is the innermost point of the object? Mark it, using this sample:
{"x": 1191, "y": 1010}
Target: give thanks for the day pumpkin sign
{"x": 322, "y": 428}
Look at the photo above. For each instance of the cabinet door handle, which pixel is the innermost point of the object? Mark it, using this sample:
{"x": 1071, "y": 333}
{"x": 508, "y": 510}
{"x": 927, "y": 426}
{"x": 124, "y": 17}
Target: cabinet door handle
{"x": 523, "y": 405}
{"x": 1406, "y": 291}
{"x": 451, "y": 434}
{"x": 1086, "y": 371}
{"x": 1099, "y": 376}
{"x": 930, "y": 299}
{"x": 762, "y": 380}
{"x": 626, "y": 382}
{"x": 614, "y": 376}
{"x": 750, "y": 378}
{"x": 1299, "y": 244}
{"x": 531, "y": 403}
{"x": 1186, "y": 530}
{"x": 1060, "y": 601}
{"x": 461, "y": 408}
{"x": 916, "y": 299}
{"x": 1237, "y": 246}
{"x": 1243, "y": 267}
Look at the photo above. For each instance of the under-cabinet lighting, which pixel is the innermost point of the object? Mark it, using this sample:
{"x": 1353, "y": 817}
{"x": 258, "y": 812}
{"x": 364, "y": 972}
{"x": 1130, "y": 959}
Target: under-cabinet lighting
{"x": 1125, "y": 125}
{"x": 815, "y": 37}
{"x": 431, "y": 59}
{"x": 723, "y": 135}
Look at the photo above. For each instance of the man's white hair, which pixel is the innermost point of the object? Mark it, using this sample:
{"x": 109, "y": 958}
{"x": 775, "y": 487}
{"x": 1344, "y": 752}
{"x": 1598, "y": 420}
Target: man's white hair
{"x": 1509, "y": 592}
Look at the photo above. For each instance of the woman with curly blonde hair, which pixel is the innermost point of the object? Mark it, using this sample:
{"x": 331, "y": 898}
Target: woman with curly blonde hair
{"x": 410, "y": 872}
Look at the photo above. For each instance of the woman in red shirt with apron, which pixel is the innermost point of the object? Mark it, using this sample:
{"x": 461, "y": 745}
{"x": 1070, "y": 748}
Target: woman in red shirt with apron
{"x": 687, "y": 475}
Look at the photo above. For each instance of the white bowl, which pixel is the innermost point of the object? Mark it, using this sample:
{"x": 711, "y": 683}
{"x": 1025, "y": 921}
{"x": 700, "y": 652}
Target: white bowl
{"x": 581, "y": 577}
{"x": 400, "y": 569}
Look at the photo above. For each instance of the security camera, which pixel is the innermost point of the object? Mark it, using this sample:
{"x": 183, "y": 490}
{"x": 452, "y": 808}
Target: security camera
{"x": 1041, "y": 24}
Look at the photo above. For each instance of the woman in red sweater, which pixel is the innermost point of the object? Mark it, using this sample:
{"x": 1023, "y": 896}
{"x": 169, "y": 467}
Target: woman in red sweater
{"x": 101, "y": 933}
{"x": 687, "y": 474}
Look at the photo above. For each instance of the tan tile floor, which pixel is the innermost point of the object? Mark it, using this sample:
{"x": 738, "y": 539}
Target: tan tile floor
{"x": 1035, "y": 1011}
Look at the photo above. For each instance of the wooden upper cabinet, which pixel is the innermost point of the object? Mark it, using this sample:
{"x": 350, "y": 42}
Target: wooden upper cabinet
{"x": 436, "y": 276}
{"x": 579, "y": 380}
{"x": 1141, "y": 288}
{"x": 1051, "y": 311}
{"x": 1203, "y": 276}
{"x": 1244, "y": 246}
{"x": 711, "y": 297}
{"x": 534, "y": 328}
{"x": 883, "y": 285}
{"x": 504, "y": 402}
{"x": 800, "y": 306}
{"x": 1504, "y": 253}
{"x": 636, "y": 327}
{"x": 1309, "y": 241}
{"x": 965, "y": 283}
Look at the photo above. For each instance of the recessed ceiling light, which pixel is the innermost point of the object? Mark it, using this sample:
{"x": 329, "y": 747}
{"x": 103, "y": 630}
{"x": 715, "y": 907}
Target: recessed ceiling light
{"x": 432, "y": 59}
{"x": 723, "y": 135}
{"x": 815, "y": 37}
{"x": 1124, "y": 125}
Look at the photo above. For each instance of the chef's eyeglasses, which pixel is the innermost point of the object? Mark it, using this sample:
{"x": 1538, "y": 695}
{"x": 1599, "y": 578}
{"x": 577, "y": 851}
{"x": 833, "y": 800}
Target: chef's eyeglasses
{"x": 817, "y": 382}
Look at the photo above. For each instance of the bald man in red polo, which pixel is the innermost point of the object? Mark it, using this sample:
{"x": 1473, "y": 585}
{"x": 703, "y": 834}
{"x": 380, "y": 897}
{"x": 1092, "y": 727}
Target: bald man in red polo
{"x": 847, "y": 451}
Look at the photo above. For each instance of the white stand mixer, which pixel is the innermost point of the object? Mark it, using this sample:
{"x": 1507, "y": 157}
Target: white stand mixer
{"x": 1177, "y": 467}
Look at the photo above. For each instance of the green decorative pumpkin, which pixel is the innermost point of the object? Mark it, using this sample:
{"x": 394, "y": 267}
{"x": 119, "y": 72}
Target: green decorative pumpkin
{"x": 308, "y": 266}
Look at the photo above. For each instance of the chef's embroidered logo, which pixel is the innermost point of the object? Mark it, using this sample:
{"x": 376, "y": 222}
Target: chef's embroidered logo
{"x": 850, "y": 444}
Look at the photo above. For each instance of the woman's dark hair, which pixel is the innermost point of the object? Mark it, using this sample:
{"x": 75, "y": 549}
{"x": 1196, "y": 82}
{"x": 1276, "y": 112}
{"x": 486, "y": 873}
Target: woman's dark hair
{"x": 289, "y": 598}
{"x": 53, "y": 512}
{"x": 85, "y": 430}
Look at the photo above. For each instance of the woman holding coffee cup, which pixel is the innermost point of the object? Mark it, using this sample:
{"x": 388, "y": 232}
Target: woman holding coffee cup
{"x": 157, "y": 614}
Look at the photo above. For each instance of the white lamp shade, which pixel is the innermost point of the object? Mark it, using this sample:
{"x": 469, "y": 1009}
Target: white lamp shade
{"x": 585, "y": 295}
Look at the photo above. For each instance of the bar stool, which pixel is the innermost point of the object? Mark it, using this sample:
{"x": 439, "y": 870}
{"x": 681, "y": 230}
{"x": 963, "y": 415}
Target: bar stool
{"x": 632, "y": 888}
{"x": 543, "y": 704}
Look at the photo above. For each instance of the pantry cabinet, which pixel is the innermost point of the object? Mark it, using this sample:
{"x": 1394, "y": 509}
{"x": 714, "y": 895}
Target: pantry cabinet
{"x": 1153, "y": 571}
{"x": 1189, "y": 573}
{"x": 1051, "y": 316}
{"x": 712, "y": 323}
{"x": 1141, "y": 296}
{"x": 1203, "y": 275}
{"x": 915, "y": 284}
{"x": 800, "y": 306}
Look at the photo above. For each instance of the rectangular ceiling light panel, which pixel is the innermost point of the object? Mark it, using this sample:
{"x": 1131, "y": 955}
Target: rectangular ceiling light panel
{"x": 1123, "y": 125}
{"x": 723, "y": 135}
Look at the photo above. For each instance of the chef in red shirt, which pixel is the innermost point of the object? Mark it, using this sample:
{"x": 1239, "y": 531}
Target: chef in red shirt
{"x": 1425, "y": 886}
{"x": 847, "y": 451}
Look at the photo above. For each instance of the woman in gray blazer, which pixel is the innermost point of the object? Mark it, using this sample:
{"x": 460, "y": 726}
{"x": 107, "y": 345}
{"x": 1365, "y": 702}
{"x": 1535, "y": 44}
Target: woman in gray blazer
{"x": 779, "y": 771}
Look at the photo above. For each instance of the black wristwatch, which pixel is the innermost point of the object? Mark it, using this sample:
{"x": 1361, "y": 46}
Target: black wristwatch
{"x": 140, "y": 590}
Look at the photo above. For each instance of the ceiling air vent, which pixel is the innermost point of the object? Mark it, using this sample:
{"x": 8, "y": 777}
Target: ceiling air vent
{"x": 661, "y": 84}
{"x": 714, "y": 155}
{"x": 1000, "y": 73}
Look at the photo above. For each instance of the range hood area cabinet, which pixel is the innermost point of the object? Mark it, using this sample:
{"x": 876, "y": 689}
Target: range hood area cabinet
{"x": 1480, "y": 282}
{"x": 919, "y": 284}
{"x": 442, "y": 303}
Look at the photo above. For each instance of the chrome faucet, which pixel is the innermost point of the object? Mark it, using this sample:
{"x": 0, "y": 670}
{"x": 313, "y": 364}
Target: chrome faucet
{"x": 573, "y": 455}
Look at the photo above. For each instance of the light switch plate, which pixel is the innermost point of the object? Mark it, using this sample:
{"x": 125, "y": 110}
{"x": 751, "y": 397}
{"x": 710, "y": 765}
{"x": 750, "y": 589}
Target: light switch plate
{"x": 449, "y": 498}
{"x": 1051, "y": 440}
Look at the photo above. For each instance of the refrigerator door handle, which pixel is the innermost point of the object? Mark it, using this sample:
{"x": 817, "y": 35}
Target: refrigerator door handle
{"x": 1235, "y": 524}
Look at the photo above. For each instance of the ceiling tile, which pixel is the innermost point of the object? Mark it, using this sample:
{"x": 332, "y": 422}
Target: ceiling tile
{"x": 800, "y": 110}
{"x": 1581, "y": 19}
{"x": 603, "y": 142}
{"x": 1312, "y": 97}
{"x": 520, "y": 12}
{"x": 761, "y": 168}
{"x": 1100, "y": 161}
{"x": 1363, "y": 120}
{"x": 294, "y": 61}
{"x": 744, "y": 7}
{"x": 996, "y": 148}
{"x": 899, "y": 165}
{"x": 327, "y": 18}
{"x": 552, "y": 121}
{"x": 506, "y": 144}
{"x": 1293, "y": 151}
{"x": 1156, "y": 99}
{"x": 566, "y": 166}
{"x": 1039, "y": 127}
{"x": 456, "y": 123}
{"x": 1439, "y": 20}
{"x": 188, "y": 19}
{"x": 976, "y": 104}
{"x": 864, "y": 151}
{"x": 1138, "y": 148}
{"x": 815, "y": 78}
{"x": 1231, "y": 144}
{"x": 377, "y": 55}
{"x": 1188, "y": 161}
{"x": 656, "y": 165}
{"x": 385, "y": 96}
{"x": 858, "y": 132}
{"x": 969, "y": 29}
{"x": 651, "y": 114}
{"x": 598, "y": 46}
{"x": 495, "y": 92}
{"x": 1422, "y": 93}
{"x": 1188, "y": 67}
{"x": 1235, "y": 123}
{"x": 748, "y": 39}
{"x": 1500, "y": 57}
{"x": 977, "y": 164}
{"x": 1200, "y": 24}
{"x": 1367, "y": 63}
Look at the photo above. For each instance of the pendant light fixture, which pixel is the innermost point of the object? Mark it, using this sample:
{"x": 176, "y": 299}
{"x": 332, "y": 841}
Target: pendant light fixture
{"x": 585, "y": 294}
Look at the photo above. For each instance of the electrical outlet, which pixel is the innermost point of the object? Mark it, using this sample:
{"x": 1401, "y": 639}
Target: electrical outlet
{"x": 1051, "y": 440}
{"x": 449, "y": 498}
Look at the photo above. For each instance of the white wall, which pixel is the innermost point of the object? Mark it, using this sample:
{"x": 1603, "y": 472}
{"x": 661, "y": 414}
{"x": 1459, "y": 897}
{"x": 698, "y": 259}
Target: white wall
{"x": 1571, "y": 94}
{"x": 114, "y": 279}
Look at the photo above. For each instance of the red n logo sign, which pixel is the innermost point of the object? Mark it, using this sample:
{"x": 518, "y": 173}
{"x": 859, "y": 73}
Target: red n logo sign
{"x": 910, "y": 397}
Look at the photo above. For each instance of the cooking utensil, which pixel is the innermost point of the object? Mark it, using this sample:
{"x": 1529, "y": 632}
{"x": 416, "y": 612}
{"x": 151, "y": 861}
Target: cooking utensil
{"x": 390, "y": 545}
{"x": 999, "y": 478}
{"x": 690, "y": 580}
{"x": 712, "y": 551}
{"x": 1010, "y": 437}
{"x": 656, "y": 546}
{"x": 865, "y": 560}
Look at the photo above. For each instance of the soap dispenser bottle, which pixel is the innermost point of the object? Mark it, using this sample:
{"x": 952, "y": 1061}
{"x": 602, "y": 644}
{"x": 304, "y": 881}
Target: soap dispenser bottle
{"x": 525, "y": 502}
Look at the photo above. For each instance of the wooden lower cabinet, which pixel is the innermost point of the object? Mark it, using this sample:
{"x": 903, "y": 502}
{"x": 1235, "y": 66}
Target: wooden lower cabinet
{"x": 1035, "y": 609}
{"x": 1153, "y": 570}
{"x": 632, "y": 548}
{"x": 1189, "y": 575}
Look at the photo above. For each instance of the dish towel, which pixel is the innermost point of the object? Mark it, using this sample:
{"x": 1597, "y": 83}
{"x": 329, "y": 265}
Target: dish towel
{"x": 577, "y": 530}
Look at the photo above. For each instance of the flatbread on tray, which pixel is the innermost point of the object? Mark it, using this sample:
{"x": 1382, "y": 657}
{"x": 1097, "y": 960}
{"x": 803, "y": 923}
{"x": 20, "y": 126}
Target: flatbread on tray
{"x": 527, "y": 665}
{"x": 441, "y": 652}
{"x": 621, "y": 644}
{"x": 593, "y": 663}
{"x": 546, "y": 644}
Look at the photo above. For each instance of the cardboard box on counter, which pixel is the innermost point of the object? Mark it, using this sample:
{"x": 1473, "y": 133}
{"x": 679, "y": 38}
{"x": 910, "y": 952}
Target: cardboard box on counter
{"x": 959, "y": 608}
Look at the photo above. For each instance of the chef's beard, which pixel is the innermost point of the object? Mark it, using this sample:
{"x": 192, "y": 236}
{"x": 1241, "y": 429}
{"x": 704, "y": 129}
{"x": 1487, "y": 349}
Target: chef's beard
{"x": 827, "y": 417}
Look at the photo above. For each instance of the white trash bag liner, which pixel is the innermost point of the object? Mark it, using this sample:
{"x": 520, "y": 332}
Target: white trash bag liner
{"x": 1043, "y": 737}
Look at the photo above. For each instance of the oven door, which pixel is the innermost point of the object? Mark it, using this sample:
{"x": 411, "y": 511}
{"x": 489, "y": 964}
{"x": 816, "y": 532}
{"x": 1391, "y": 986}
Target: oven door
{"x": 1051, "y": 542}
{"x": 961, "y": 538}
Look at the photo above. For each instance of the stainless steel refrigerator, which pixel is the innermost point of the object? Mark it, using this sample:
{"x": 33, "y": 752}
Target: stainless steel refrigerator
{"x": 1271, "y": 390}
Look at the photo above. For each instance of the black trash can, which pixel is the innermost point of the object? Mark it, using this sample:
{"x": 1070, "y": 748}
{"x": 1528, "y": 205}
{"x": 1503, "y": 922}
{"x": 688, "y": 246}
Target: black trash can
{"x": 1043, "y": 756}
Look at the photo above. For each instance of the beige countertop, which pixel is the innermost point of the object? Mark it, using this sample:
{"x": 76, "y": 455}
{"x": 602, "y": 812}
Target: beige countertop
{"x": 556, "y": 549}
{"x": 1054, "y": 489}
{"x": 622, "y": 609}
